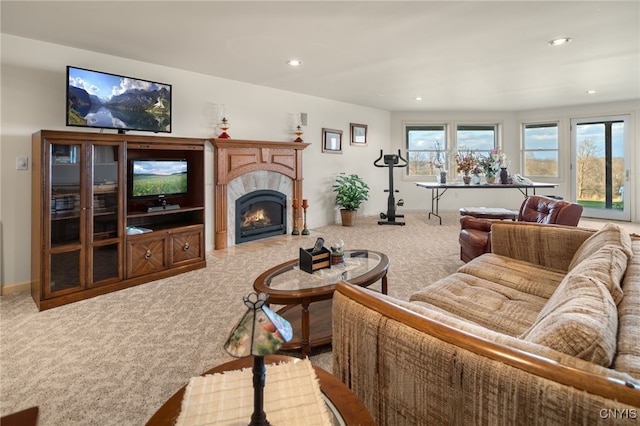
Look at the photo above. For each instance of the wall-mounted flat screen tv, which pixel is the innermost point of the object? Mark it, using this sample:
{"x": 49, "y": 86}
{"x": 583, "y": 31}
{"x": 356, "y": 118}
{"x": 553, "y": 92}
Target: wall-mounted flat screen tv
{"x": 159, "y": 177}
{"x": 109, "y": 101}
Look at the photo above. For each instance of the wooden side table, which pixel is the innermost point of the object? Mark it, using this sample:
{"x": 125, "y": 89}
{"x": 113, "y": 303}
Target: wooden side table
{"x": 348, "y": 408}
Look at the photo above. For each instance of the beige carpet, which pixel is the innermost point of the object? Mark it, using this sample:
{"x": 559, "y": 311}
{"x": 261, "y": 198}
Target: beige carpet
{"x": 115, "y": 359}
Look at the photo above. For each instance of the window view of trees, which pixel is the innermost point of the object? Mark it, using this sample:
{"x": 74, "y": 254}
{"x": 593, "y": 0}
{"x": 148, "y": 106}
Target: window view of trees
{"x": 540, "y": 141}
{"x": 600, "y": 172}
{"x": 599, "y": 154}
{"x": 537, "y": 165}
{"x": 426, "y": 149}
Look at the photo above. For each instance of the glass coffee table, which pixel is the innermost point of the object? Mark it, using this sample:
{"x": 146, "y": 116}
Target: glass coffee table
{"x": 307, "y": 297}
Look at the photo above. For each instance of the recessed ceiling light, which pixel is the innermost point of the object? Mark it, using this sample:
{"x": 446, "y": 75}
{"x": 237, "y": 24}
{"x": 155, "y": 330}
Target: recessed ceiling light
{"x": 418, "y": 98}
{"x": 559, "y": 41}
{"x": 590, "y": 92}
{"x": 294, "y": 62}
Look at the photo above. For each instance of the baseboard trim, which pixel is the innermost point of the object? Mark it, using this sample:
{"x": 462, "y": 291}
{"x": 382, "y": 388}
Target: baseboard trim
{"x": 14, "y": 288}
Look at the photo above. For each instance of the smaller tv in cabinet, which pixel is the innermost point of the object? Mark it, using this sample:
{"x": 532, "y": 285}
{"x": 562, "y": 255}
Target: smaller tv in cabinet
{"x": 159, "y": 179}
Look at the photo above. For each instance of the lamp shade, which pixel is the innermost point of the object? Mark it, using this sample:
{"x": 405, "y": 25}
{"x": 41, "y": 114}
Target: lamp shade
{"x": 260, "y": 331}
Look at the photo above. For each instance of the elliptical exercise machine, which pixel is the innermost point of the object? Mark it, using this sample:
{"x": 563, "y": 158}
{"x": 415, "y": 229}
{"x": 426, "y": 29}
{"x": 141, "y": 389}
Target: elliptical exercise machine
{"x": 391, "y": 161}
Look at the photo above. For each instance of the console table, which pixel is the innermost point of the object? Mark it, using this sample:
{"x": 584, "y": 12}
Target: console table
{"x": 439, "y": 189}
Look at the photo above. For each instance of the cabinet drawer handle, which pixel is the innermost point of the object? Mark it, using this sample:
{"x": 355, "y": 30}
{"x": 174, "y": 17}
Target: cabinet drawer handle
{"x": 185, "y": 247}
{"x": 148, "y": 254}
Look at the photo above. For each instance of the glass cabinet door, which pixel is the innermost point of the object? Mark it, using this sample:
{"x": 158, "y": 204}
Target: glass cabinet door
{"x": 66, "y": 259}
{"x": 105, "y": 211}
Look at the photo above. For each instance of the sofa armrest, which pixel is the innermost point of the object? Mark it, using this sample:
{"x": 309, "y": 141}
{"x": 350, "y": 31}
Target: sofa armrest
{"x": 470, "y": 222}
{"x": 552, "y": 246}
{"x": 410, "y": 369}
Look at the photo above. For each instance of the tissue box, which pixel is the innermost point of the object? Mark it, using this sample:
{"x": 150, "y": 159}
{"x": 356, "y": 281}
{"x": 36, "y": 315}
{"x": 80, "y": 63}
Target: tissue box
{"x": 313, "y": 260}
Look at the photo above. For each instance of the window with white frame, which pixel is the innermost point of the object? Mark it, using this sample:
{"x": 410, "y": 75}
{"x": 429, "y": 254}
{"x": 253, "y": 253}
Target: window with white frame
{"x": 426, "y": 149}
{"x": 540, "y": 146}
{"x": 479, "y": 138}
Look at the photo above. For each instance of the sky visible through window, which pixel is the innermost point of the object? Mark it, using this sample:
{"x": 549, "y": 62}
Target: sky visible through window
{"x": 476, "y": 140}
{"x": 425, "y": 139}
{"x": 595, "y": 132}
{"x": 542, "y": 138}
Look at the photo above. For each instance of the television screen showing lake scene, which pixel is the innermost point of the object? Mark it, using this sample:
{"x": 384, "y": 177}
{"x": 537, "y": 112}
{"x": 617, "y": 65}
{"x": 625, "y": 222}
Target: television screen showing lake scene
{"x": 109, "y": 101}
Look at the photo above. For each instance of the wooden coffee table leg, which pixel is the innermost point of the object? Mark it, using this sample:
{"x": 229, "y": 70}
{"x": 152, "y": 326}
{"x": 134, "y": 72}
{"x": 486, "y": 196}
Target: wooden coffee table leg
{"x": 306, "y": 341}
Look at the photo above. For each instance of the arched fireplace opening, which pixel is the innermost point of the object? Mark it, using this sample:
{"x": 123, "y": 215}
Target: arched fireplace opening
{"x": 260, "y": 214}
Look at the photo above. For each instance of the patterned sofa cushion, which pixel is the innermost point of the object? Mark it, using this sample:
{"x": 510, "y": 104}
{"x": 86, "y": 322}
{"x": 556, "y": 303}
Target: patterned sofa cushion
{"x": 609, "y": 234}
{"x": 628, "y": 353}
{"x": 516, "y": 274}
{"x": 580, "y": 319}
{"x": 494, "y": 306}
{"x": 607, "y": 265}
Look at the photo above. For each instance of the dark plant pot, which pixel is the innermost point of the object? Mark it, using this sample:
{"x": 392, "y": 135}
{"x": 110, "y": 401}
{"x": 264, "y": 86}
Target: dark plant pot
{"x": 348, "y": 217}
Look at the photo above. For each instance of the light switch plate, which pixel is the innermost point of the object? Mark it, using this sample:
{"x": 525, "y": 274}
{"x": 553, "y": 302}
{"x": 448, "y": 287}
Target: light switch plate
{"x": 22, "y": 163}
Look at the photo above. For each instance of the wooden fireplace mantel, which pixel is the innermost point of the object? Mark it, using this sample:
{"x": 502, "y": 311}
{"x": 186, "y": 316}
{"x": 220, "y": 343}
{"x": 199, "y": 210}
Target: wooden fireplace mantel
{"x": 234, "y": 158}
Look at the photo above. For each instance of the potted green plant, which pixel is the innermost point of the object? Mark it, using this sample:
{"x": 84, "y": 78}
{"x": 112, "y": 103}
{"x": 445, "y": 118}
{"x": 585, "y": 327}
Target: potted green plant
{"x": 350, "y": 191}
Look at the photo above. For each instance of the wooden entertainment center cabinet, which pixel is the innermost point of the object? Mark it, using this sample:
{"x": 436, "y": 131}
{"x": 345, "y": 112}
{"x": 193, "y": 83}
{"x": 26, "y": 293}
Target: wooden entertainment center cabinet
{"x": 89, "y": 235}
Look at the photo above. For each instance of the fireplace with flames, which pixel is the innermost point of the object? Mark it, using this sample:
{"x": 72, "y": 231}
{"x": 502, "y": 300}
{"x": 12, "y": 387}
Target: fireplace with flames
{"x": 260, "y": 214}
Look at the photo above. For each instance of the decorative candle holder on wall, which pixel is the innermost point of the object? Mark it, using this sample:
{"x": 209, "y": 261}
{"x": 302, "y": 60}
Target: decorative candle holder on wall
{"x": 224, "y": 126}
{"x": 305, "y": 204}
{"x": 295, "y": 217}
{"x": 223, "y": 121}
{"x": 298, "y": 132}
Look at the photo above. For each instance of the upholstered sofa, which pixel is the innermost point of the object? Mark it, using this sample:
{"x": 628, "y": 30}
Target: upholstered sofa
{"x": 545, "y": 330}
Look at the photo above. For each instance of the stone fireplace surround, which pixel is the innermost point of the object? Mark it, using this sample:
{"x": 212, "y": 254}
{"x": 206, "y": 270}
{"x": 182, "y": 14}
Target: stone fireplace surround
{"x": 242, "y": 166}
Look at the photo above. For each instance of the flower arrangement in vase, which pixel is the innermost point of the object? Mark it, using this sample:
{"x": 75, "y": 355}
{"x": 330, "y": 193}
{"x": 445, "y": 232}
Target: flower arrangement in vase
{"x": 466, "y": 161}
{"x": 492, "y": 163}
{"x": 438, "y": 162}
{"x": 476, "y": 172}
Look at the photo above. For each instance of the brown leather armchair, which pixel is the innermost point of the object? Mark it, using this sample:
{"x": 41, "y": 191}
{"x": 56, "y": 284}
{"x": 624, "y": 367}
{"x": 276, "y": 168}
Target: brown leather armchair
{"x": 475, "y": 234}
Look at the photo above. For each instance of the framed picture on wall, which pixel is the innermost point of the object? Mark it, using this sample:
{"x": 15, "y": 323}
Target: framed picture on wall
{"x": 358, "y": 134}
{"x": 332, "y": 141}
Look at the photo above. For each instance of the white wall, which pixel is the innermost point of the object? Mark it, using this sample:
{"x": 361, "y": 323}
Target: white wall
{"x": 33, "y": 77}
{"x": 417, "y": 198}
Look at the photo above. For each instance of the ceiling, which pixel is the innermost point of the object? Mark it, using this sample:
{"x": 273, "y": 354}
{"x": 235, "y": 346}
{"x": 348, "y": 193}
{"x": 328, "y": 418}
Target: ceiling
{"x": 469, "y": 56}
